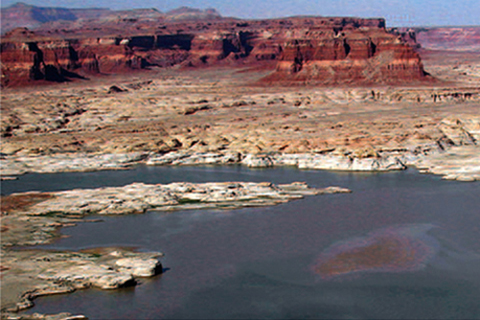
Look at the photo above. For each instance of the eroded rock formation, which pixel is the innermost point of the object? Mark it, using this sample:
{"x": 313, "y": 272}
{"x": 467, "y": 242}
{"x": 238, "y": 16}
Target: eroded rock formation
{"x": 345, "y": 52}
{"x": 323, "y": 50}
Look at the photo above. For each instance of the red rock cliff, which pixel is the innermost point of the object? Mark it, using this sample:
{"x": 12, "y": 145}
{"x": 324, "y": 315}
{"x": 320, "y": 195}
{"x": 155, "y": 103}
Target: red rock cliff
{"x": 311, "y": 49}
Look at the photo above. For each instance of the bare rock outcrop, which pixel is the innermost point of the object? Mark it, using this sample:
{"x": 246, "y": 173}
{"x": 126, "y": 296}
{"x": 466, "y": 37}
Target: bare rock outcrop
{"x": 460, "y": 132}
{"x": 457, "y": 163}
{"x": 346, "y": 54}
{"x": 313, "y": 49}
{"x": 31, "y": 274}
{"x": 139, "y": 197}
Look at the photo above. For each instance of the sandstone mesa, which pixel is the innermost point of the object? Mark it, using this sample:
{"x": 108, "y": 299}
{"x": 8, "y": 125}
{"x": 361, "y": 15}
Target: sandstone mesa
{"x": 300, "y": 49}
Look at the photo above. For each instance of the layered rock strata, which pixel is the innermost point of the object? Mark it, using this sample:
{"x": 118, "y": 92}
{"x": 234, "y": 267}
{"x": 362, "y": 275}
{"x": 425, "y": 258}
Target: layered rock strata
{"x": 457, "y": 142}
{"x": 350, "y": 55}
{"x": 13, "y": 166}
{"x": 453, "y": 38}
{"x": 322, "y": 50}
{"x": 218, "y": 120}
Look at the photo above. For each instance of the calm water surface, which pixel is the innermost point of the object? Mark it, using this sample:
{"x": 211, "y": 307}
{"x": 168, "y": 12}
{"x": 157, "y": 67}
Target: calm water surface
{"x": 264, "y": 262}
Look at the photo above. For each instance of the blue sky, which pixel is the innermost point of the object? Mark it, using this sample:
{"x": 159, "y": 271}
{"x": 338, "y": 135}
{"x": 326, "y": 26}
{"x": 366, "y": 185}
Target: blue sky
{"x": 397, "y": 12}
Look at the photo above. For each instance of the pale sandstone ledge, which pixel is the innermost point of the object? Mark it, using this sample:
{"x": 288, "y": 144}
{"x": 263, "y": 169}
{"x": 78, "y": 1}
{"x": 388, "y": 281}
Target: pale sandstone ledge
{"x": 28, "y": 274}
{"x": 13, "y": 166}
{"x": 38, "y": 316}
{"x": 33, "y": 218}
{"x": 139, "y": 197}
{"x": 462, "y": 161}
{"x": 302, "y": 161}
{"x": 459, "y": 163}
{"x": 454, "y": 134}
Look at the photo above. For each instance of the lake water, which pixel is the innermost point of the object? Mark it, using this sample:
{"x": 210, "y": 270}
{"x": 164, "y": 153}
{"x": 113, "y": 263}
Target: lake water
{"x": 401, "y": 246}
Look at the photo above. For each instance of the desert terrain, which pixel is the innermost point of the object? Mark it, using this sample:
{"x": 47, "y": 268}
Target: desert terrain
{"x": 172, "y": 115}
{"x": 316, "y": 93}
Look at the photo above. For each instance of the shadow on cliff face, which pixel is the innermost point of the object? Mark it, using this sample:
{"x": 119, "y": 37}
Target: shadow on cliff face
{"x": 52, "y": 73}
{"x": 68, "y": 74}
{"x": 42, "y": 71}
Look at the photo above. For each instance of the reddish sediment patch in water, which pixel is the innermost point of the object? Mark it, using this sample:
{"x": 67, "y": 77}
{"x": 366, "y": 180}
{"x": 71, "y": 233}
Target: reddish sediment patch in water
{"x": 398, "y": 249}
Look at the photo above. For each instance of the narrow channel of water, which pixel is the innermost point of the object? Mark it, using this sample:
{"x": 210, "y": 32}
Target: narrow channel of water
{"x": 320, "y": 257}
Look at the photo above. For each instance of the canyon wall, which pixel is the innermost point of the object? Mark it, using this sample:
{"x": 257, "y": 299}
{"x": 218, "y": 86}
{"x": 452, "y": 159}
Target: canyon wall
{"x": 298, "y": 50}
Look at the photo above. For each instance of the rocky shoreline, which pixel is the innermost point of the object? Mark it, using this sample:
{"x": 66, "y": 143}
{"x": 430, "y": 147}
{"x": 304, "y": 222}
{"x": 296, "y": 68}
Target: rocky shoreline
{"x": 33, "y": 273}
{"x": 455, "y": 163}
{"x": 33, "y": 218}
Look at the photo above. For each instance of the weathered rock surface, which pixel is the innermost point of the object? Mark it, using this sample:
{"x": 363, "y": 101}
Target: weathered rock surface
{"x": 340, "y": 129}
{"x": 352, "y": 164}
{"x": 84, "y": 276}
{"x": 30, "y": 274}
{"x": 388, "y": 161}
{"x": 69, "y": 163}
{"x": 150, "y": 118}
{"x": 460, "y": 132}
{"x": 139, "y": 267}
{"x": 322, "y": 50}
{"x": 38, "y": 316}
{"x": 139, "y": 197}
{"x": 457, "y": 163}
